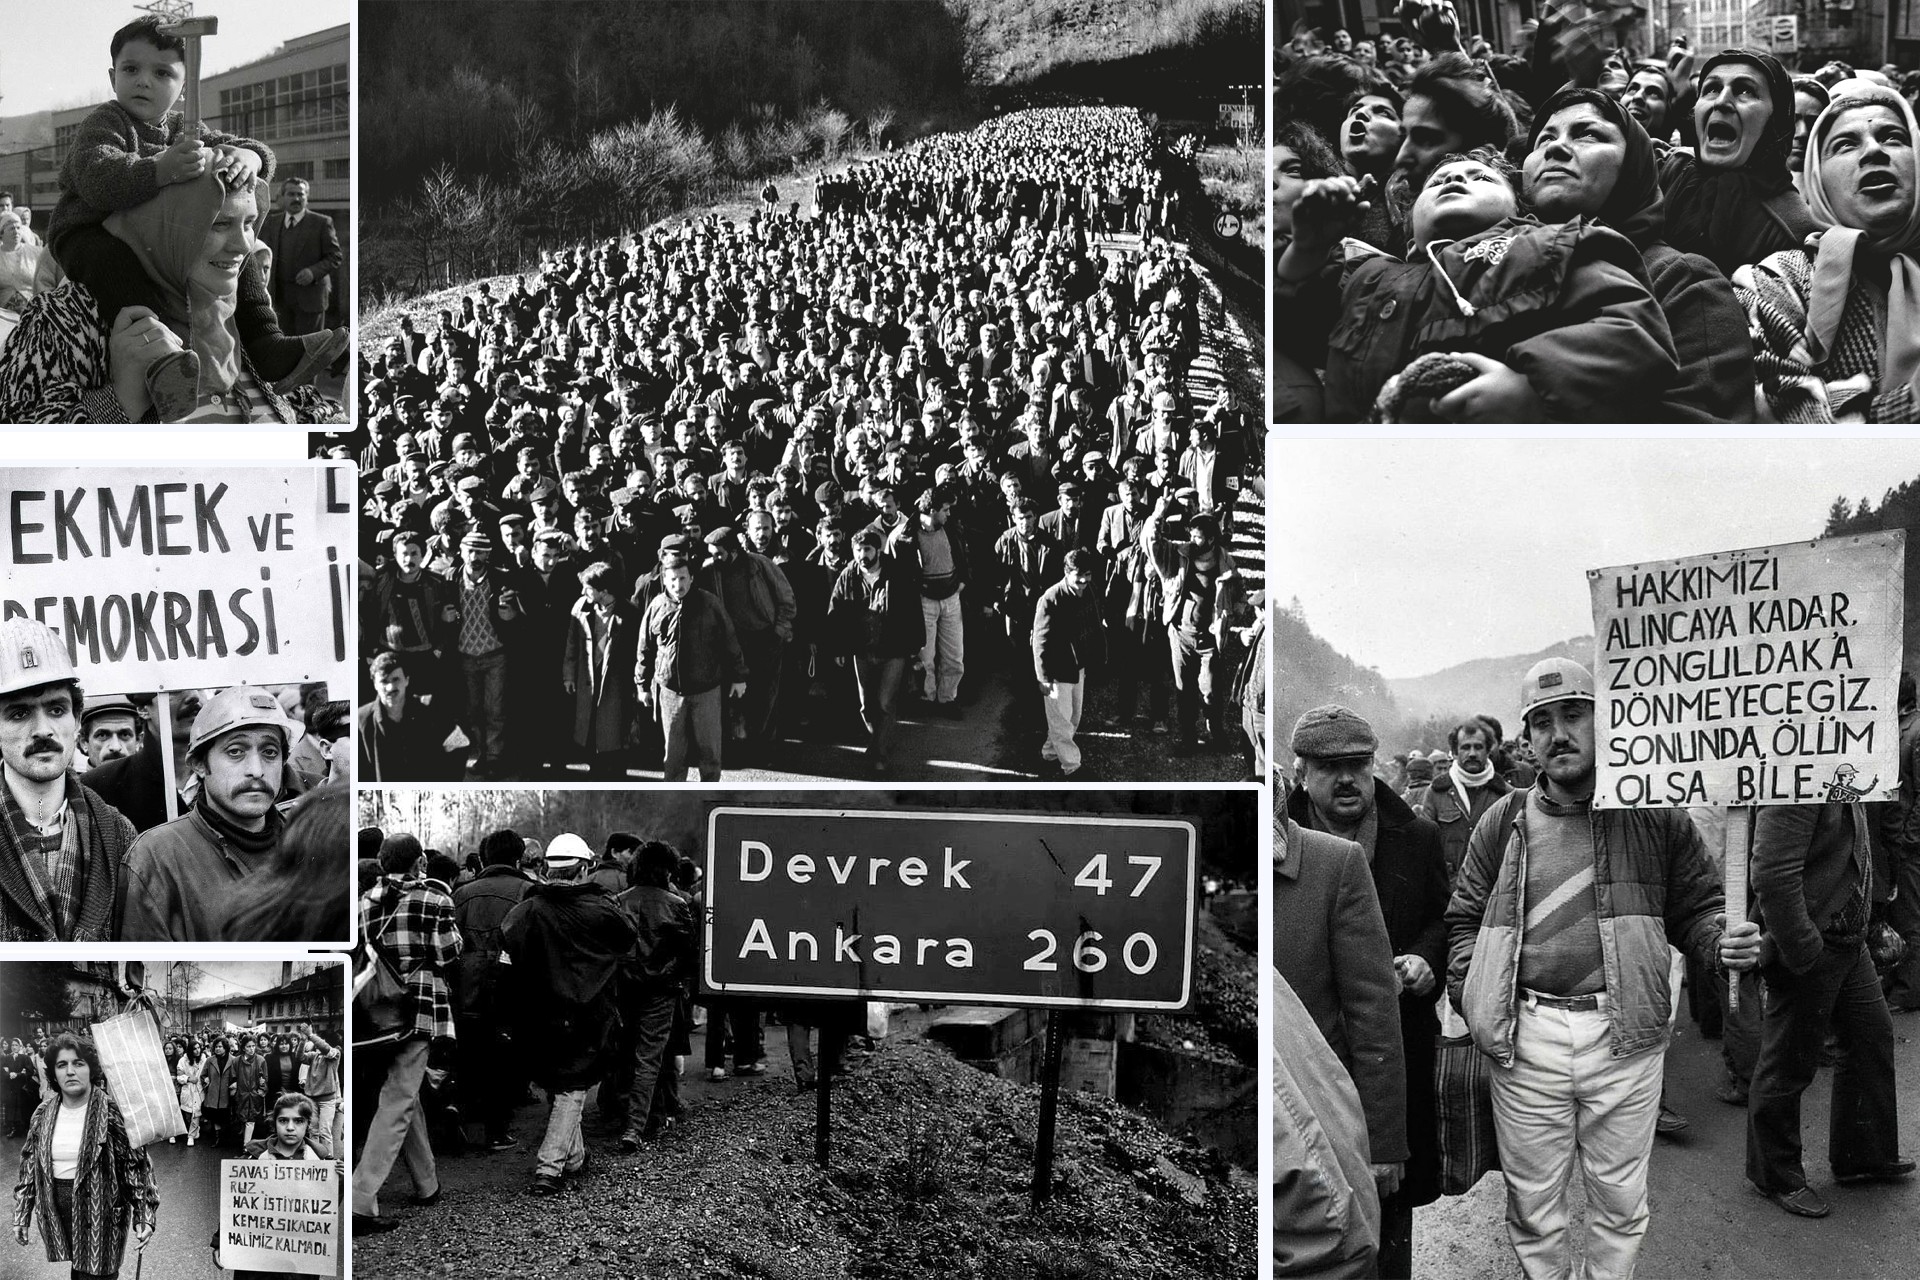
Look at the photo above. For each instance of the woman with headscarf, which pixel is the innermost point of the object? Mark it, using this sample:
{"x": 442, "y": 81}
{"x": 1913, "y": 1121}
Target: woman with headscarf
{"x": 61, "y": 365}
{"x": 19, "y": 262}
{"x": 1734, "y": 202}
{"x": 1836, "y": 324}
{"x": 1591, "y": 159}
{"x": 1492, "y": 317}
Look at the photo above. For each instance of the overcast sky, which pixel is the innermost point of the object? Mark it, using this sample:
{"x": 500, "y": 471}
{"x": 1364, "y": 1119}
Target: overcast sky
{"x": 54, "y": 53}
{"x": 1412, "y": 556}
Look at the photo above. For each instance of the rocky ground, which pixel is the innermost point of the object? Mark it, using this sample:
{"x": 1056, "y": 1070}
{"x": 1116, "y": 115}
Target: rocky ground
{"x": 931, "y": 1171}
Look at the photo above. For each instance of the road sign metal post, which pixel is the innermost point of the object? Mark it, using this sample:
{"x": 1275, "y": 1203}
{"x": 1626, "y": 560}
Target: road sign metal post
{"x": 1049, "y": 1110}
{"x": 831, "y": 1043}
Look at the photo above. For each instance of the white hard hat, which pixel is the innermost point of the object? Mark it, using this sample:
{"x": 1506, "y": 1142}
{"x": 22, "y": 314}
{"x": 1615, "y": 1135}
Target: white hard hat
{"x": 31, "y": 655}
{"x": 1554, "y": 680}
{"x": 568, "y": 847}
{"x": 242, "y": 706}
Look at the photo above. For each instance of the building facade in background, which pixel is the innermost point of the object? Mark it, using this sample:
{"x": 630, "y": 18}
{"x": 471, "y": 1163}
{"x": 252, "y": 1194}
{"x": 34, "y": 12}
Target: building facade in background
{"x": 296, "y": 100}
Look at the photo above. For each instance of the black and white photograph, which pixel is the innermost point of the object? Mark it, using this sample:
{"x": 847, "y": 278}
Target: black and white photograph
{"x": 839, "y": 390}
{"x": 175, "y": 676}
{"x": 1597, "y": 880}
{"x": 185, "y": 1113}
{"x": 1595, "y": 212}
{"x": 680, "y": 1033}
{"x": 170, "y": 185}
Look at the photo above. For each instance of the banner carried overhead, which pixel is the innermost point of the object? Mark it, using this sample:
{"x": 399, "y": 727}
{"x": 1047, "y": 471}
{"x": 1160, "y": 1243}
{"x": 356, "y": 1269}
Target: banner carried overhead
{"x": 170, "y": 578}
{"x": 1758, "y": 677}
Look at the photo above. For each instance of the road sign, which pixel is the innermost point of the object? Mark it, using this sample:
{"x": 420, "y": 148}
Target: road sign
{"x": 1227, "y": 226}
{"x": 975, "y": 908}
{"x": 1785, "y": 34}
{"x": 1756, "y": 677}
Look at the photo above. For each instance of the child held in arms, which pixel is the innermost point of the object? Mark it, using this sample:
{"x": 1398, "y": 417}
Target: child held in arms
{"x": 124, "y": 152}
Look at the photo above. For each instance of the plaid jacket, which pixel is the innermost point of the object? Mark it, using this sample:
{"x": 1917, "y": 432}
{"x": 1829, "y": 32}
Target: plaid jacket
{"x": 413, "y": 922}
{"x": 113, "y": 1192}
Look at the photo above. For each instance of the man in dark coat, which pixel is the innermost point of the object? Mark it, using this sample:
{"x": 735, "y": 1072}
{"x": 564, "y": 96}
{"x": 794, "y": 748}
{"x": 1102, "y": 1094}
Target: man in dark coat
{"x": 1330, "y": 946}
{"x": 1339, "y": 795}
{"x": 565, "y": 941}
{"x": 490, "y": 1080}
{"x": 306, "y": 253}
{"x": 1466, "y": 789}
{"x": 1813, "y": 884}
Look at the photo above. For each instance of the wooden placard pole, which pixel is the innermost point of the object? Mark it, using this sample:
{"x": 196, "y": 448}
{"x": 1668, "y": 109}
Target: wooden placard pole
{"x": 191, "y": 30}
{"x": 1739, "y": 848}
{"x": 169, "y": 780}
{"x": 1049, "y": 1107}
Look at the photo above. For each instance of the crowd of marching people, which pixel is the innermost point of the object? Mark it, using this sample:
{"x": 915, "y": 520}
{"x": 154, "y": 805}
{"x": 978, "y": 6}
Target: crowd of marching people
{"x": 1576, "y": 233}
{"x": 549, "y": 965}
{"x": 1478, "y": 971}
{"x": 228, "y": 1082}
{"x": 675, "y": 499}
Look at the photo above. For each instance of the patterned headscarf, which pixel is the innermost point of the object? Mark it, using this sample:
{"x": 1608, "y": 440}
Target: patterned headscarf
{"x": 1838, "y": 246}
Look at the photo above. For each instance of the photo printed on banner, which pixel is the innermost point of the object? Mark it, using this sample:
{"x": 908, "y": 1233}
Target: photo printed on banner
{"x": 833, "y": 391}
{"x": 206, "y": 1100}
{"x": 175, "y": 676}
{"x": 935, "y": 1033}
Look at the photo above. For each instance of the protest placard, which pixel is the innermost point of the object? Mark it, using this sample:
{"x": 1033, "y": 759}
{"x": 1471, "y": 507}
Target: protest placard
{"x": 162, "y": 578}
{"x": 1757, "y": 677}
{"x": 970, "y": 907}
{"x": 281, "y": 1216}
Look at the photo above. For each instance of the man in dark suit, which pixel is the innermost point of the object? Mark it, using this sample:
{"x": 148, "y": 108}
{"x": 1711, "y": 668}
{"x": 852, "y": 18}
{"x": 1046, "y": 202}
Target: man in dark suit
{"x": 305, "y": 254}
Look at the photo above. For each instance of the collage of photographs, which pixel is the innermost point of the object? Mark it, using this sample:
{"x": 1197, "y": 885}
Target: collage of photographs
{"x": 735, "y": 641}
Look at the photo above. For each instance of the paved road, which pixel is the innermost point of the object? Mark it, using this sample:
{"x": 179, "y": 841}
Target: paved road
{"x": 1706, "y": 1221}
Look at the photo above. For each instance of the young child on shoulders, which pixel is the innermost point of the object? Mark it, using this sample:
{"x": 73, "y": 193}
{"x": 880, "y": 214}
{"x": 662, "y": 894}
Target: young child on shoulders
{"x": 123, "y": 153}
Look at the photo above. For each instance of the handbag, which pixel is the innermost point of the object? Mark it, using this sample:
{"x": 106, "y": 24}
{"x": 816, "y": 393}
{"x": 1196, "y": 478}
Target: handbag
{"x": 1463, "y": 1113}
{"x": 382, "y": 1003}
{"x": 132, "y": 1061}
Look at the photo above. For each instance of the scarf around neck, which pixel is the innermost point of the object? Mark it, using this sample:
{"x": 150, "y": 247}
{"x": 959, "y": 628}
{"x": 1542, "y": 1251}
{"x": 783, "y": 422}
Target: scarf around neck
{"x": 1463, "y": 780}
{"x": 168, "y": 234}
{"x": 251, "y": 842}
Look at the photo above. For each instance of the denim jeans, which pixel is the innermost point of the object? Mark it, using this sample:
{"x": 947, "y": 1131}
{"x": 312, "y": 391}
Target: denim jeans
{"x": 1843, "y": 990}
{"x": 879, "y": 686}
{"x": 562, "y": 1149}
{"x": 486, "y": 680}
{"x": 943, "y": 655}
{"x": 1063, "y": 707}
{"x": 691, "y": 726}
{"x": 652, "y": 1014}
{"x": 1196, "y": 680}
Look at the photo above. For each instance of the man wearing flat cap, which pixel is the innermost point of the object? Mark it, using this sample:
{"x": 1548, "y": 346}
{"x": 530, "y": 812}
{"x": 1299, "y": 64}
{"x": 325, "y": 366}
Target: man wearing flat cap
{"x": 1559, "y": 927}
{"x": 487, "y": 614}
{"x": 181, "y": 874}
{"x": 1339, "y": 795}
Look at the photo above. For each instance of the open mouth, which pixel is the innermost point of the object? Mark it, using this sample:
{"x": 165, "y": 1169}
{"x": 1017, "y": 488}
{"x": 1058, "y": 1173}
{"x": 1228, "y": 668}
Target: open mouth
{"x": 1356, "y": 133}
{"x": 225, "y": 264}
{"x": 1880, "y": 182}
{"x": 1721, "y": 131}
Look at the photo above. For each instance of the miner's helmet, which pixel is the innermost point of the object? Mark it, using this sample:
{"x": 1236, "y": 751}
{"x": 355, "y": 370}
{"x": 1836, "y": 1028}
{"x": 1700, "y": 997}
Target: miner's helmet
{"x": 1554, "y": 680}
{"x": 31, "y": 655}
{"x": 243, "y": 706}
{"x": 567, "y": 847}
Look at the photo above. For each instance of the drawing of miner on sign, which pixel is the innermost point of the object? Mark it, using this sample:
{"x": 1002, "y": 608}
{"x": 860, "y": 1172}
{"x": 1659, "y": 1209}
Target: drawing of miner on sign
{"x": 1842, "y": 791}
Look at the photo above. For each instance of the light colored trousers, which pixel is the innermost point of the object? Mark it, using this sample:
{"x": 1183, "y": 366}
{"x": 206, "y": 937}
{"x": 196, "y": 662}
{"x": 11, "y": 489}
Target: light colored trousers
{"x": 562, "y": 1149}
{"x": 1566, "y": 1099}
{"x": 944, "y": 652}
{"x": 399, "y": 1130}
{"x": 1063, "y": 707}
